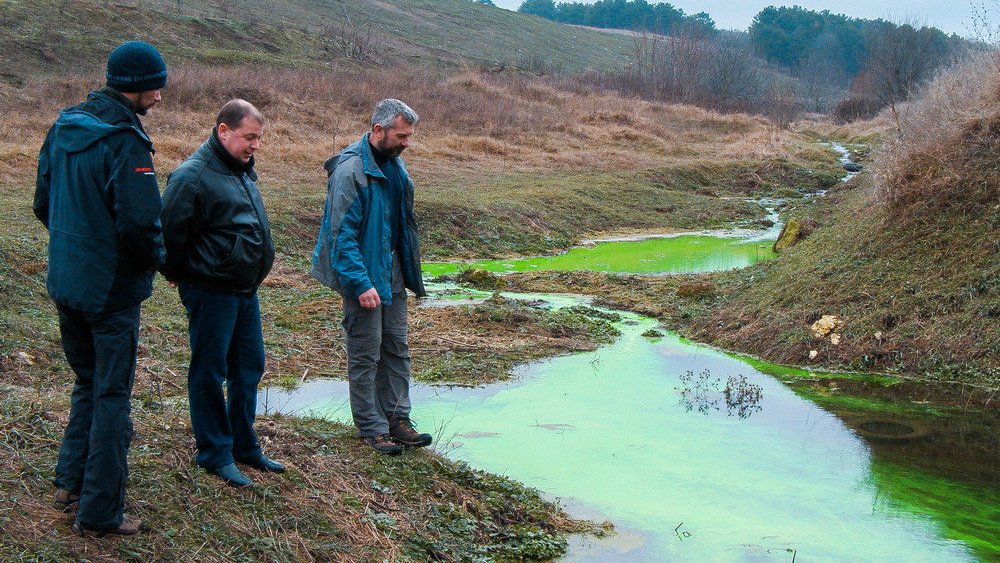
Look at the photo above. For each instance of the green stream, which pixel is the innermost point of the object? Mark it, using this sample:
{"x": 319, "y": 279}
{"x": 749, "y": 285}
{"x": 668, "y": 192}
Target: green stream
{"x": 640, "y": 432}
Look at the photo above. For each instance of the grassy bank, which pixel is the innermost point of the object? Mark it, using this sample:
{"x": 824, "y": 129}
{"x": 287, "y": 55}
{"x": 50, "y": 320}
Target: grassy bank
{"x": 338, "y": 501}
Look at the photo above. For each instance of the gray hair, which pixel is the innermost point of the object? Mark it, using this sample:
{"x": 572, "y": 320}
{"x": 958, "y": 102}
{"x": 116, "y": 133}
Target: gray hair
{"x": 389, "y": 109}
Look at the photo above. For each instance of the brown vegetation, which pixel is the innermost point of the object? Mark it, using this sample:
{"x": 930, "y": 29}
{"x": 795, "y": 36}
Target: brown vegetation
{"x": 945, "y": 153}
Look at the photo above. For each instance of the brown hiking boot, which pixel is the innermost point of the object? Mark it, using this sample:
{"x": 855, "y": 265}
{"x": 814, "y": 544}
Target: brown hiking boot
{"x": 403, "y": 431}
{"x": 383, "y": 444}
{"x": 129, "y": 527}
{"x": 65, "y": 501}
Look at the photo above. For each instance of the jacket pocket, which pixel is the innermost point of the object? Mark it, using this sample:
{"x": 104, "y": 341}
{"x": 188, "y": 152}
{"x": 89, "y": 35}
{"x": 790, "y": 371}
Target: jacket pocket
{"x": 245, "y": 255}
{"x": 236, "y": 256}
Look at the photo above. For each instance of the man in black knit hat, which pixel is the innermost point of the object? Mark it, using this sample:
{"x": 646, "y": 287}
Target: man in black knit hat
{"x": 96, "y": 193}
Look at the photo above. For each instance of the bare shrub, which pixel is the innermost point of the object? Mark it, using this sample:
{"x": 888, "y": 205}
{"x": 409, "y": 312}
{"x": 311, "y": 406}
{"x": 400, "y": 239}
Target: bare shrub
{"x": 855, "y": 109}
{"x": 947, "y": 140}
{"x": 357, "y": 37}
{"x": 986, "y": 26}
{"x": 719, "y": 73}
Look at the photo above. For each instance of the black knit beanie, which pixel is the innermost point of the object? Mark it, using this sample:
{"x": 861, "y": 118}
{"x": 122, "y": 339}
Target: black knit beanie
{"x": 136, "y": 66}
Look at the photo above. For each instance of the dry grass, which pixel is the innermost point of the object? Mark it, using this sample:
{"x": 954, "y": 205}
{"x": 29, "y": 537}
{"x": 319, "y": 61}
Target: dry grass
{"x": 511, "y": 121}
{"x": 945, "y": 151}
{"x": 511, "y": 157}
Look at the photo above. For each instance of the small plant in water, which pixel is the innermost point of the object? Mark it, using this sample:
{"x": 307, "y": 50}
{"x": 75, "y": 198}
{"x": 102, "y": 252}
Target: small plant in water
{"x": 705, "y": 394}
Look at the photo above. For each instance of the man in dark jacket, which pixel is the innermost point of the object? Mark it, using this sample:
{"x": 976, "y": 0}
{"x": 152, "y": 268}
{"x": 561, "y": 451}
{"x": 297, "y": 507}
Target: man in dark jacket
{"x": 96, "y": 194}
{"x": 368, "y": 251}
{"x": 219, "y": 250}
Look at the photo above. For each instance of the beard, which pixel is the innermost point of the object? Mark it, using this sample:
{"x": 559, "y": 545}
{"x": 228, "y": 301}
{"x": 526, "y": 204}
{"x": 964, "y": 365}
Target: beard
{"x": 389, "y": 150}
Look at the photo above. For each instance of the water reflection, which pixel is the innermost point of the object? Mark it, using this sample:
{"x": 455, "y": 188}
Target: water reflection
{"x": 706, "y": 394}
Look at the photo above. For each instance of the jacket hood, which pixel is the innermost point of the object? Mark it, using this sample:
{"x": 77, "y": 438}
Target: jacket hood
{"x": 360, "y": 148}
{"x": 76, "y": 130}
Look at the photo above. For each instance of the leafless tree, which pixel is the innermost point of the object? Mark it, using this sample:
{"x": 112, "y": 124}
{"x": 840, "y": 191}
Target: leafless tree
{"x": 648, "y": 53}
{"x": 823, "y": 82}
{"x": 735, "y": 79}
{"x": 900, "y": 59}
{"x": 357, "y": 37}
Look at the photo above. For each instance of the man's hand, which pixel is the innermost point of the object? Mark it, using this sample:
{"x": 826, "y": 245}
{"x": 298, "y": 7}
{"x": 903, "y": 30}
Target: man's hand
{"x": 369, "y": 299}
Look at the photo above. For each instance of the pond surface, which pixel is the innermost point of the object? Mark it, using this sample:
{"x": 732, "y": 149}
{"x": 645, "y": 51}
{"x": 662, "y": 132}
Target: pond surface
{"x": 686, "y": 254}
{"x": 675, "y": 254}
{"x": 693, "y": 454}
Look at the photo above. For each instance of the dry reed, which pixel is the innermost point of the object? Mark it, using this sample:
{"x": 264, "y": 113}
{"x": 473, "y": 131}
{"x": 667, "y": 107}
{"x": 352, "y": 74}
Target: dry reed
{"x": 944, "y": 153}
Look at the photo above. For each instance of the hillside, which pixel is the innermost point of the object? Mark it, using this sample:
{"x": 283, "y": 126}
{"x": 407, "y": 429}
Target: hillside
{"x": 52, "y": 36}
{"x": 907, "y": 258}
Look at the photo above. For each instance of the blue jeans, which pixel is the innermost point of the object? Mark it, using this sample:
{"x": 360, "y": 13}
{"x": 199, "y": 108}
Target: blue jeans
{"x": 101, "y": 349}
{"x": 227, "y": 346}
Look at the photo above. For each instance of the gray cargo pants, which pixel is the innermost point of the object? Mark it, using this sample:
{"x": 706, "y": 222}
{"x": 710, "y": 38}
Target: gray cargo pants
{"x": 378, "y": 359}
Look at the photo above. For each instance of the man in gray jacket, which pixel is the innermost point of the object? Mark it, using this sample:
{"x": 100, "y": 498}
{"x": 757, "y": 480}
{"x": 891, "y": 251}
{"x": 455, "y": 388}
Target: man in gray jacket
{"x": 219, "y": 250}
{"x": 368, "y": 252}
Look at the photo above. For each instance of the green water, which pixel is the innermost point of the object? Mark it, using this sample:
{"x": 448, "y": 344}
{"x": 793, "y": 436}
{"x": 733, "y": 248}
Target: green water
{"x": 639, "y": 432}
{"x": 681, "y": 254}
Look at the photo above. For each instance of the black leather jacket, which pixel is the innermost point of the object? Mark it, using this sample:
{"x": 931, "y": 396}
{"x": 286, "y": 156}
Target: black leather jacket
{"x": 215, "y": 228}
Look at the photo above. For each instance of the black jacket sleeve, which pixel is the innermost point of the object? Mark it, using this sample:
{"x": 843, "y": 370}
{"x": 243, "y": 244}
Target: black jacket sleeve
{"x": 180, "y": 208}
{"x": 136, "y": 199}
{"x": 41, "y": 204}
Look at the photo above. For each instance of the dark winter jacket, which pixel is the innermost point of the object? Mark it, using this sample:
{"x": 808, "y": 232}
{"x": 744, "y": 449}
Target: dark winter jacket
{"x": 214, "y": 224}
{"x": 353, "y": 253}
{"x": 96, "y": 193}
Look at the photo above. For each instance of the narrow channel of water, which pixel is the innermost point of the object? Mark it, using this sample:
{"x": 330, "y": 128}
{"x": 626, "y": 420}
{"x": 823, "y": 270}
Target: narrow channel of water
{"x": 693, "y": 454}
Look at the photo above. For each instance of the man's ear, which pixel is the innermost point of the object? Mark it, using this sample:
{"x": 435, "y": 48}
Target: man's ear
{"x": 222, "y": 130}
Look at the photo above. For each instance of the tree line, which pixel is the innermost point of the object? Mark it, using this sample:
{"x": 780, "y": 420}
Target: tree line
{"x": 790, "y": 60}
{"x": 620, "y": 14}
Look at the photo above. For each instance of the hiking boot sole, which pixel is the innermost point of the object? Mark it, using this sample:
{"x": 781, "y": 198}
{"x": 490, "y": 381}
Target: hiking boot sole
{"x": 415, "y": 444}
{"x": 128, "y": 528}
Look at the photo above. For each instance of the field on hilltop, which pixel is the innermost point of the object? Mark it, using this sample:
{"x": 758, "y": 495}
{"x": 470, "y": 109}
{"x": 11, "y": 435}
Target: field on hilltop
{"x": 53, "y": 36}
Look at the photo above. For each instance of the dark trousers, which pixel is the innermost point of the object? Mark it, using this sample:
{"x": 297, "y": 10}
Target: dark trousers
{"x": 101, "y": 349}
{"x": 227, "y": 346}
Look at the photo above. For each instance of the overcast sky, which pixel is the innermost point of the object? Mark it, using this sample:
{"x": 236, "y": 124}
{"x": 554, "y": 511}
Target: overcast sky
{"x": 950, "y": 16}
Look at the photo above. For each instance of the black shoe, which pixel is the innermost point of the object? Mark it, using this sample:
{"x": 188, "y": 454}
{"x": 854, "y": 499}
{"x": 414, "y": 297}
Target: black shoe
{"x": 262, "y": 463}
{"x": 128, "y": 527}
{"x": 403, "y": 431}
{"x": 383, "y": 444}
{"x": 231, "y": 475}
